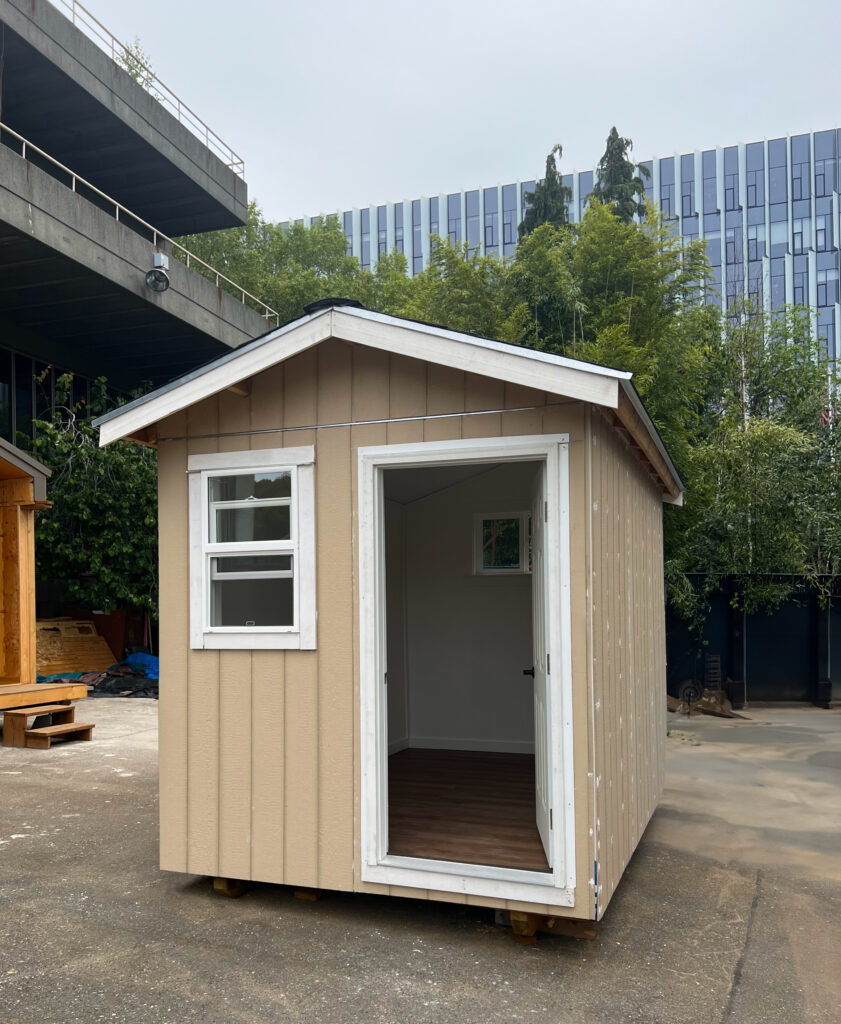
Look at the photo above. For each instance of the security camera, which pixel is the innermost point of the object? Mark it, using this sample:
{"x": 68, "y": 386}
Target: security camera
{"x": 157, "y": 278}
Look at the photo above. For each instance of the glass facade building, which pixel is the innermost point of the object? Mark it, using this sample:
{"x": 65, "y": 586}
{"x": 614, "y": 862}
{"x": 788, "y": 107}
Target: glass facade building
{"x": 27, "y": 393}
{"x": 769, "y": 213}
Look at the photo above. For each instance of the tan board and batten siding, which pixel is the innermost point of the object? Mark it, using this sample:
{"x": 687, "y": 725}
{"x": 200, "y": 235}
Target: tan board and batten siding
{"x": 259, "y": 751}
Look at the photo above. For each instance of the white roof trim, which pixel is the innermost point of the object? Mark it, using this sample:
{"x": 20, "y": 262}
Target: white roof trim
{"x": 541, "y": 370}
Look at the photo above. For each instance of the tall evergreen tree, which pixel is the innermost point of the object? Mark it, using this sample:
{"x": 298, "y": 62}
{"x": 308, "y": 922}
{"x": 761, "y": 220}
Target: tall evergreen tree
{"x": 617, "y": 185}
{"x": 548, "y": 202}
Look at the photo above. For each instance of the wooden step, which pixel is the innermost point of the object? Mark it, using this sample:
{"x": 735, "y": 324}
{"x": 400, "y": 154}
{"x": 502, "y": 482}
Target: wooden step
{"x": 39, "y": 709}
{"x": 40, "y": 739}
{"x": 14, "y": 720}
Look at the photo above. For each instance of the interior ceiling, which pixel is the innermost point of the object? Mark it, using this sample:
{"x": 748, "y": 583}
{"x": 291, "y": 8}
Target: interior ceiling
{"x": 407, "y": 485}
{"x": 81, "y": 322}
{"x": 48, "y": 108}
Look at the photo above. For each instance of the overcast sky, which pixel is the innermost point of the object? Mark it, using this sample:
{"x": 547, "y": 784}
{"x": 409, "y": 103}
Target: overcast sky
{"x": 334, "y": 104}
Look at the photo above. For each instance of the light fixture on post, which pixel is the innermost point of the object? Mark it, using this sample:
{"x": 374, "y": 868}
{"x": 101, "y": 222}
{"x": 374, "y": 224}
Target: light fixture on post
{"x": 157, "y": 278}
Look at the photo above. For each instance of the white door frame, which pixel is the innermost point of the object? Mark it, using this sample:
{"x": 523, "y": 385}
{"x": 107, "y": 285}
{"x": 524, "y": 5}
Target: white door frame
{"x": 556, "y": 887}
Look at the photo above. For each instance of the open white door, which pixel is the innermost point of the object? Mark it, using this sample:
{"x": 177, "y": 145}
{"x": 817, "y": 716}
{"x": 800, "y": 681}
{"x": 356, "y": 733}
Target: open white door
{"x": 542, "y": 738}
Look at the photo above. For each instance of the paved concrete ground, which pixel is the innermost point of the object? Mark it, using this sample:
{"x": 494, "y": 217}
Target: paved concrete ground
{"x": 729, "y": 913}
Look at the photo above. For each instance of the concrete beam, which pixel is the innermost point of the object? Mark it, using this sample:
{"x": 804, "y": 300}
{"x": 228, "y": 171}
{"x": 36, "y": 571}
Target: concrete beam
{"x": 109, "y": 107}
{"x": 34, "y": 205}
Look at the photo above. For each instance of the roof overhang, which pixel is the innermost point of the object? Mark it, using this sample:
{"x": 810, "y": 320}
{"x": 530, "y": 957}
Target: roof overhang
{"x": 608, "y": 389}
{"x": 17, "y": 465}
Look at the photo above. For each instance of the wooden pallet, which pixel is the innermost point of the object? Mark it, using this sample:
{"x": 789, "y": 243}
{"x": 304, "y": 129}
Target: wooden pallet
{"x": 70, "y": 645}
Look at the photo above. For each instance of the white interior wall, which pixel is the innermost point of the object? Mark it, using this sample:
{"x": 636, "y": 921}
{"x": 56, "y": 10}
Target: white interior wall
{"x": 463, "y": 639}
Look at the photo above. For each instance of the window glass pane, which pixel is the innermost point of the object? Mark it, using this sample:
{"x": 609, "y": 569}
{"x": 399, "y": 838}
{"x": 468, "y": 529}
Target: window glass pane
{"x": 347, "y": 227}
{"x": 250, "y": 486}
{"x": 251, "y": 603}
{"x": 251, "y": 564}
{"x": 585, "y": 187}
{"x": 23, "y": 395}
{"x": 509, "y": 219}
{"x": 243, "y": 525}
{"x": 6, "y": 395}
{"x": 500, "y": 543}
{"x": 267, "y": 519}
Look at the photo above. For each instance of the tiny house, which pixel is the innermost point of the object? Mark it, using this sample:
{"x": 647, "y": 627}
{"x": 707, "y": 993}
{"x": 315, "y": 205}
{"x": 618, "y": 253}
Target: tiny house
{"x": 412, "y": 628}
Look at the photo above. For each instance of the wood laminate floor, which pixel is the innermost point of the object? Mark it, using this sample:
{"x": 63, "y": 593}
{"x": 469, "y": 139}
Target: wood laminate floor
{"x": 467, "y": 806}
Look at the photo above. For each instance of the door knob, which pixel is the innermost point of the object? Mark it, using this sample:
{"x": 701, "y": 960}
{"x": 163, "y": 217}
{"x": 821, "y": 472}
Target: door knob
{"x": 529, "y": 672}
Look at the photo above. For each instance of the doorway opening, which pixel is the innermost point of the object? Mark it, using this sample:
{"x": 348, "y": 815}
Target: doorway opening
{"x": 466, "y": 673}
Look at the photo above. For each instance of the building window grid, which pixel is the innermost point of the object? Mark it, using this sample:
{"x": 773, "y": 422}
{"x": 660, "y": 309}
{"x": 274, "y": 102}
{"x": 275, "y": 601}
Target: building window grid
{"x": 365, "y": 239}
{"x": 667, "y": 188}
{"x": 433, "y": 216}
{"x": 687, "y": 185}
{"x": 382, "y": 230}
{"x": 27, "y": 393}
{"x": 417, "y": 237}
{"x": 585, "y": 190}
{"x": 509, "y": 219}
{"x": 491, "y": 221}
{"x": 454, "y": 218}
{"x": 472, "y": 222}
{"x": 398, "y": 227}
{"x": 710, "y": 182}
{"x": 801, "y": 280}
{"x": 791, "y": 179}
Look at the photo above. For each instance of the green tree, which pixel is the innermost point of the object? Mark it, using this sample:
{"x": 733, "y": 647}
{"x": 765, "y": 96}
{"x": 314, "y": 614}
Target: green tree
{"x": 762, "y": 503}
{"x": 135, "y": 62}
{"x": 286, "y": 267}
{"x": 460, "y": 291}
{"x": 617, "y": 183}
{"x": 548, "y": 202}
{"x": 99, "y": 540}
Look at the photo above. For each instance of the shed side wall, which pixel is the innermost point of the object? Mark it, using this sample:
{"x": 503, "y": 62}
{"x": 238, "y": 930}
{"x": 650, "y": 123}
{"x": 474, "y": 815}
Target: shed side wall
{"x": 260, "y": 773}
{"x": 629, "y": 656}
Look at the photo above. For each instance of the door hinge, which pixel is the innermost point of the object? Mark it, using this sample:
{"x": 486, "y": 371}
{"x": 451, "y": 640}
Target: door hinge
{"x": 548, "y": 664}
{"x": 385, "y": 678}
{"x": 551, "y": 823}
{"x": 545, "y": 511}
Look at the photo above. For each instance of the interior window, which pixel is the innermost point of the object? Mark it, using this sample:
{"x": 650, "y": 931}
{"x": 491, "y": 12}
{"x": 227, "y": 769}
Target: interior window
{"x": 501, "y": 543}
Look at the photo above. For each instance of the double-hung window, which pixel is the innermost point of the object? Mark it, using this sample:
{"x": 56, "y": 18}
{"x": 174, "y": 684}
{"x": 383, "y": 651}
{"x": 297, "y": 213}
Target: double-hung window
{"x": 252, "y": 549}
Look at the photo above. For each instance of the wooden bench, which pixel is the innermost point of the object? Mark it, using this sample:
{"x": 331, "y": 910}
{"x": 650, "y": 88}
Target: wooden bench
{"x": 64, "y": 726}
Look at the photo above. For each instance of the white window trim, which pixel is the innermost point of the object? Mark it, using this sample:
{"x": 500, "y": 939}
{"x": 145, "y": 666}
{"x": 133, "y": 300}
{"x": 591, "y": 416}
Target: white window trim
{"x": 300, "y": 463}
{"x": 479, "y": 569}
{"x": 558, "y": 886}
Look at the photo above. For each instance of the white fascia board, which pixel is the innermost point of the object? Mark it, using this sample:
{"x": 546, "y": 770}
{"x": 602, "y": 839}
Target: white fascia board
{"x": 653, "y": 433}
{"x": 527, "y": 367}
{"x": 539, "y": 370}
{"x": 278, "y": 346}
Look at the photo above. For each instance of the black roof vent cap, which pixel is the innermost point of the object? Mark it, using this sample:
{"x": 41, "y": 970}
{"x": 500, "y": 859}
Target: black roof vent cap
{"x": 317, "y": 307}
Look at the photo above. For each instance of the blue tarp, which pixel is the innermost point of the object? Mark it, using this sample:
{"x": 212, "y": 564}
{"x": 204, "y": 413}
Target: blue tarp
{"x": 147, "y": 662}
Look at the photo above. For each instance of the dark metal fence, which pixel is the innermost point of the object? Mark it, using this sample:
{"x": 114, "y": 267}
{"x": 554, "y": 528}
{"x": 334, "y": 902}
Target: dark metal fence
{"x": 790, "y": 654}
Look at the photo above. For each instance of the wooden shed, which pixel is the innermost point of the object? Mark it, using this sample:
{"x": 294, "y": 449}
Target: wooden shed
{"x": 23, "y": 489}
{"x": 412, "y": 629}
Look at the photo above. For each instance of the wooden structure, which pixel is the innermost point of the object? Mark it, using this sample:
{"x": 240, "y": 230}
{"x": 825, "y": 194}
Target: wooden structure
{"x": 412, "y": 632}
{"x": 23, "y": 489}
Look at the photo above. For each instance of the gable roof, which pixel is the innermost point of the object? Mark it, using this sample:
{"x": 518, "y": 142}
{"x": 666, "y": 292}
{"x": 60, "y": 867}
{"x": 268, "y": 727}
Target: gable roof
{"x": 600, "y": 385}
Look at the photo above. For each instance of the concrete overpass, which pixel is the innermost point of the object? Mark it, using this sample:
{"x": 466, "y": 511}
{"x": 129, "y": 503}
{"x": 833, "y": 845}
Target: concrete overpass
{"x": 95, "y": 173}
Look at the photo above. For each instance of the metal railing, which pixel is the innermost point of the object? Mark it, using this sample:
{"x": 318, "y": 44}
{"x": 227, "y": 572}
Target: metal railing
{"x": 121, "y": 213}
{"x": 126, "y": 58}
